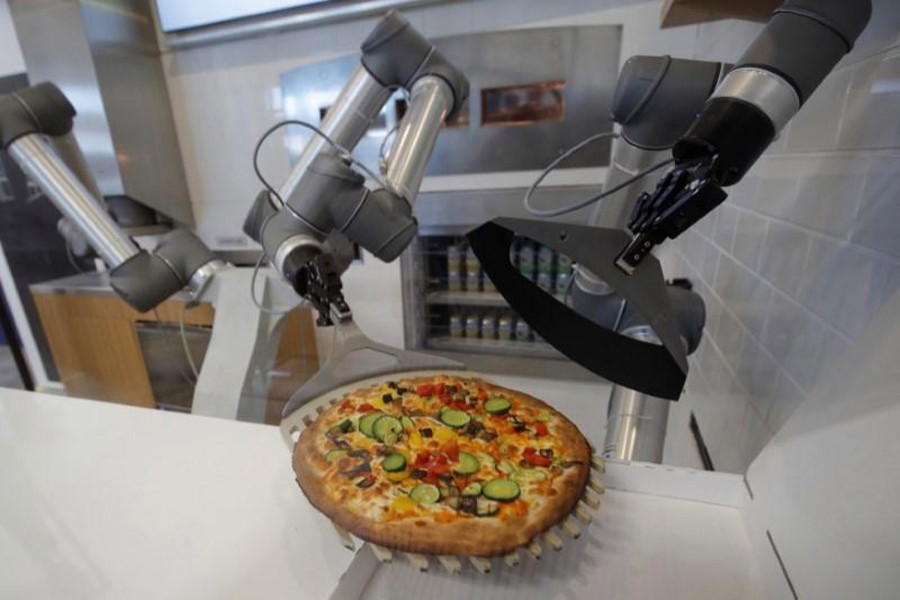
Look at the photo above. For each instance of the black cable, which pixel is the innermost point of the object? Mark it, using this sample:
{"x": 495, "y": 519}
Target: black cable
{"x": 265, "y": 136}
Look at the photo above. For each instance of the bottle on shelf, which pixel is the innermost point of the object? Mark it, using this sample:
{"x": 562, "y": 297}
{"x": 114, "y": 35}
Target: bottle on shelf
{"x": 523, "y": 331}
{"x": 473, "y": 326}
{"x": 545, "y": 260}
{"x": 562, "y": 282}
{"x": 473, "y": 280}
{"x": 454, "y": 282}
{"x": 489, "y": 326}
{"x": 545, "y": 282}
{"x": 505, "y": 327}
{"x": 456, "y": 325}
{"x": 526, "y": 260}
{"x": 455, "y": 258}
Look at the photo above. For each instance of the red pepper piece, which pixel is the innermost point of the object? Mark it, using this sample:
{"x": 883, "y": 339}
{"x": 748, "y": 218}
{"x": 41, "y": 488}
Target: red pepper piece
{"x": 541, "y": 429}
{"x": 425, "y": 390}
{"x": 366, "y": 408}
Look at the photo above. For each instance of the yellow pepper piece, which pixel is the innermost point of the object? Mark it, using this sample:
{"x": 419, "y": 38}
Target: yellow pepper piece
{"x": 445, "y": 435}
{"x": 403, "y": 504}
{"x": 397, "y": 476}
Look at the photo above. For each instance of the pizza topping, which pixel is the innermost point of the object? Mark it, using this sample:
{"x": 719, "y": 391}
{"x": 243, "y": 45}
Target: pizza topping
{"x": 394, "y": 462}
{"x": 497, "y": 406}
{"x": 468, "y": 464}
{"x": 472, "y": 490}
{"x": 387, "y": 429}
{"x": 387, "y": 398}
{"x": 530, "y": 475}
{"x": 506, "y": 467}
{"x": 366, "y": 422}
{"x": 540, "y": 429}
{"x": 359, "y": 469}
{"x": 407, "y": 423}
{"x": 455, "y": 418}
{"x": 426, "y": 432}
{"x": 366, "y": 482}
{"x": 503, "y": 490}
{"x": 468, "y": 504}
{"x": 532, "y": 457}
{"x": 425, "y": 493}
{"x": 333, "y": 455}
{"x": 365, "y": 408}
{"x": 486, "y": 508}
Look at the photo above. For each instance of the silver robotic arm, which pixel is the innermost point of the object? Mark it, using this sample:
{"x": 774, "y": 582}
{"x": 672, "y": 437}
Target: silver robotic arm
{"x": 327, "y": 201}
{"x": 798, "y": 48}
{"x": 29, "y": 120}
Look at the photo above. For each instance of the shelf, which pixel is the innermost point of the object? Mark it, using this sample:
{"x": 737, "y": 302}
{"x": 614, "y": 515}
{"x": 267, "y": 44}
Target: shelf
{"x": 502, "y": 347}
{"x": 466, "y": 298}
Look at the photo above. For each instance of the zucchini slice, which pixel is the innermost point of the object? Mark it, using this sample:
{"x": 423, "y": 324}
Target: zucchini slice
{"x": 387, "y": 429}
{"x": 486, "y": 508}
{"x": 468, "y": 464}
{"x": 425, "y": 493}
{"x": 472, "y": 490}
{"x": 497, "y": 406}
{"x": 335, "y": 455}
{"x": 344, "y": 426}
{"x": 486, "y": 459}
{"x": 506, "y": 467}
{"x": 394, "y": 462}
{"x": 530, "y": 475}
{"x": 366, "y": 422}
{"x": 455, "y": 418}
{"x": 407, "y": 423}
{"x": 502, "y": 490}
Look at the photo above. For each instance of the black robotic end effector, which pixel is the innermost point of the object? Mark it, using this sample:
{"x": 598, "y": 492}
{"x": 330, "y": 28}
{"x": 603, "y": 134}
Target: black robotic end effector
{"x": 658, "y": 370}
{"x": 320, "y": 282}
{"x": 683, "y": 197}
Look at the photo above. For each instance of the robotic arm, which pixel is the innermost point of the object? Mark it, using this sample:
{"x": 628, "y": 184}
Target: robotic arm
{"x": 327, "y": 201}
{"x": 29, "y": 120}
{"x": 798, "y": 48}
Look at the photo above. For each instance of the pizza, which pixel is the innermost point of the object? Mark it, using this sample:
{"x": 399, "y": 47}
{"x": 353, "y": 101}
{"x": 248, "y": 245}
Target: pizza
{"x": 442, "y": 465}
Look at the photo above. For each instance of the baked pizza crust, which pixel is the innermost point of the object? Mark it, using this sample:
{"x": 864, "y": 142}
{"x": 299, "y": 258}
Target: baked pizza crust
{"x": 483, "y": 537}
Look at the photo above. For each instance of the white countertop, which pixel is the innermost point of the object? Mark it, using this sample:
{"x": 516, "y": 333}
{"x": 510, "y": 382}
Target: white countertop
{"x": 105, "y": 501}
{"x": 100, "y": 500}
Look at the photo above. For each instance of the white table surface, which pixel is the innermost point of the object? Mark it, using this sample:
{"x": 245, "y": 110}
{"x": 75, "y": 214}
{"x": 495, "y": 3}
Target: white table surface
{"x": 99, "y": 500}
{"x": 104, "y": 501}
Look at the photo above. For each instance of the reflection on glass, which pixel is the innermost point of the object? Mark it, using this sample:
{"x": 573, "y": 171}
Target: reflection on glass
{"x": 523, "y": 104}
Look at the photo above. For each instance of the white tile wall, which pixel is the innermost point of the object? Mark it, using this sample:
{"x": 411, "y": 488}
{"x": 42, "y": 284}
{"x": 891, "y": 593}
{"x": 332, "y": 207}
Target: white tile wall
{"x": 799, "y": 259}
{"x": 814, "y": 250}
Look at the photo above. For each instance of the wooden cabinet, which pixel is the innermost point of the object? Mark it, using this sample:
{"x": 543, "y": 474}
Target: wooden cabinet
{"x": 95, "y": 344}
{"x": 688, "y": 12}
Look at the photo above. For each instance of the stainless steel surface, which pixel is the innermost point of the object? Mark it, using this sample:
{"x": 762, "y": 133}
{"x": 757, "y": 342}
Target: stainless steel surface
{"x": 764, "y": 89}
{"x": 36, "y": 157}
{"x": 203, "y": 276}
{"x": 69, "y": 150}
{"x": 291, "y": 244}
{"x": 354, "y": 357}
{"x": 627, "y": 160}
{"x": 636, "y": 423}
{"x": 586, "y": 58}
{"x": 347, "y": 120}
{"x": 104, "y": 56}
{"x": 613, "y": 212}
{"x": 431, "y": 99}
{"x": 280, "y": 23}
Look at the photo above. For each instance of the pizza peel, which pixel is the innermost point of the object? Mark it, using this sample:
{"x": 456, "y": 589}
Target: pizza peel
{"x": 357, "y": 361}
